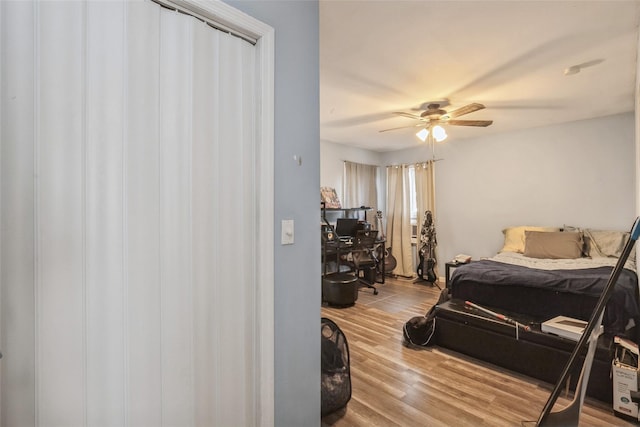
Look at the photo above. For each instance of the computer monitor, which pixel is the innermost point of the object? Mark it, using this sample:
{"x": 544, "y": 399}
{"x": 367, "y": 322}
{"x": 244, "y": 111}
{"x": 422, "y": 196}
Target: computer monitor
{"x": 346, "y": 227}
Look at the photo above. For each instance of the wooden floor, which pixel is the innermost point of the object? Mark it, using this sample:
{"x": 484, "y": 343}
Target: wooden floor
{"x": 397, "y": 386}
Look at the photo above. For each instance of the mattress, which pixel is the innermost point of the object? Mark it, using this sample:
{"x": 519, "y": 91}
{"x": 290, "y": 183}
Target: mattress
{"x": 544, "y": 289}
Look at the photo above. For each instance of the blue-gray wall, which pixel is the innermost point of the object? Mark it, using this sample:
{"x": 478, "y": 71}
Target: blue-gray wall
{"x": 297, "y": 196}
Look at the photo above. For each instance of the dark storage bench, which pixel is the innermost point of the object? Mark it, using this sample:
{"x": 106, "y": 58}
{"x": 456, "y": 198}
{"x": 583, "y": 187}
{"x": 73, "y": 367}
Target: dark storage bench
{"x": 535, "y": 353}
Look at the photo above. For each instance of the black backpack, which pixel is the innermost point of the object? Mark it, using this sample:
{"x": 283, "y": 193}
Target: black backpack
{"x": 419, "y": 330}
{"x": 335, "y": 370}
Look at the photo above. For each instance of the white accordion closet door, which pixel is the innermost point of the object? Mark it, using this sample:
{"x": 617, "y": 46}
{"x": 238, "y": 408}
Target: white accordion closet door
{"x": 129, "y": 218}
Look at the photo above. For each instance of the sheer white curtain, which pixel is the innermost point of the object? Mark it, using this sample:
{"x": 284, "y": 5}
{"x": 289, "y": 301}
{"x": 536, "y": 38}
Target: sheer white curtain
{"x": 399, "y": 219}
{"x": 425, "y": 193}
{"x": 360, "y": 185}
{"x": 127, "y": 198}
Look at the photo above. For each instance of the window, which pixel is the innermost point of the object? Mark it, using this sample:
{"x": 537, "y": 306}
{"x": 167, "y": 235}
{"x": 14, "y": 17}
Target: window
{"x": 413, "y": 205}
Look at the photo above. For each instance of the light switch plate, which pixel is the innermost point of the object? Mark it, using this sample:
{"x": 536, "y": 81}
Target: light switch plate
{"x": 287, "y": 232}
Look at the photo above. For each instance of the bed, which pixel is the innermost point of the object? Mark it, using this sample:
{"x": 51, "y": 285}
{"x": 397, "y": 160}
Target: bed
{"x": 541, "y": 273}
{"x": 555, "y": 273}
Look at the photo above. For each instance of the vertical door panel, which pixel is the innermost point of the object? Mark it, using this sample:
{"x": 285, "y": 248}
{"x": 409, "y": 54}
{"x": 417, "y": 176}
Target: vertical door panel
{"x": 175, "y": 218}
{"x": 60, "y": 240}
{"x": 205, "y": 242}
{"x": 17, "y": 212}
{"x": 142, "y": 213}
{"x": 233, "y": 282}
{"x": 104, "y": 213}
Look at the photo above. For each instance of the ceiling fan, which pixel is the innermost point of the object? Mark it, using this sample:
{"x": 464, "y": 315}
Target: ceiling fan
{"x": 434, "y": 114}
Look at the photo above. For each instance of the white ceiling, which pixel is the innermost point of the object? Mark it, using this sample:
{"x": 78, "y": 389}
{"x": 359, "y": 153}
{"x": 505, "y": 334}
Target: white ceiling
{"x": 377, "y": 57}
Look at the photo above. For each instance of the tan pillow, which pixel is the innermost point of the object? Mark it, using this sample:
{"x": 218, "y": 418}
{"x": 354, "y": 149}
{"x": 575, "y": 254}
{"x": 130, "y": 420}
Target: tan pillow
{"x": 606, "y": 243}
{"x": 553, "y": 245}
{"x": 514, "y": 237}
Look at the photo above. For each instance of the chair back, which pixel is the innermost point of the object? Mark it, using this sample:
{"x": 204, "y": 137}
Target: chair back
{"x": 364, "y": 239}
{"x": 363, "y": 249}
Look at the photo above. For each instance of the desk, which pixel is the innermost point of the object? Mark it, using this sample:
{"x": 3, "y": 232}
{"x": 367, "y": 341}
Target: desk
{"x": 344, "y": 212}
{"x": 338, "y": 249}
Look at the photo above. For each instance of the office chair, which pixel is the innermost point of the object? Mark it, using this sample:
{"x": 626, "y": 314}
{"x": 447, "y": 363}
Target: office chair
{"x": 364, "y": 258}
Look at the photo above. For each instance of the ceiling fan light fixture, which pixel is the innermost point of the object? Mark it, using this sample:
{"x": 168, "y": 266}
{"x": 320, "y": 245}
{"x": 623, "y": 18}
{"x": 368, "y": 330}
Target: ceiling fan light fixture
{"x": 423, "y": 134}
{"x": 439, "y": 133}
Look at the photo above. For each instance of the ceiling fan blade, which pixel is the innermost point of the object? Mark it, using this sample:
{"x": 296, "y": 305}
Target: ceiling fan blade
{"x": 403, "y": 127}
{"x": 481, "y": 123}
{"x": 408, "y": 115}
{"x": 465, "y": 110}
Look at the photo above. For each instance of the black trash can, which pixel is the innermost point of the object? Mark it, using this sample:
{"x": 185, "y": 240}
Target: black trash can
{"x": 340, "y": 289}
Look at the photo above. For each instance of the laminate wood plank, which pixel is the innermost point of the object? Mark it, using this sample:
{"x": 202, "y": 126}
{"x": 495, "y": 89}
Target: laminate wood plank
{"x": 394, "y": 385}
{"x": 447, "y": 410}
{"x": 357, "y": 414}
{"x": 391, "y": 407}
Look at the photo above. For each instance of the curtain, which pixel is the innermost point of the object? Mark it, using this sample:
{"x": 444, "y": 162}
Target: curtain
{"x": 127, "y": 206}
{"x": 399, "y": 219}
{"x": 425, "y": 194}
{"x": 360, "y": 185}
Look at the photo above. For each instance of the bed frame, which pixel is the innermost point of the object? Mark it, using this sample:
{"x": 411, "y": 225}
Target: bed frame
{"x": 535, "y": 353}
{"x": 539, "y": 294}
